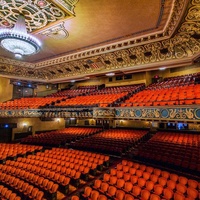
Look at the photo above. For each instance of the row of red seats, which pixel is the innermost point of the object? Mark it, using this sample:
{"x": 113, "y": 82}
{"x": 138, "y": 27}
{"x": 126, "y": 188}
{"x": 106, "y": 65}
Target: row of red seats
{"x": 186, "y": 76}
{"x": 104, "y": 193}
{"x": 35, "y": 176}
{"x": 73, "y": 92}
{"x": 6, "y": 194}
{"x": 75, "y": 156}
{"x": 33, "y": 172}
{"x": 39, "y": 168}
{"x": 76, "y": 153}
{"x": 170, "y": 96}
{"x": 88, "y": 87}
{"x": 102, "y": 100}
{"x": 22, "y": 188}
{"x": 60, "y": 137}
{"x": 178, "y": 149}
{"x": 111, "y": 141}
{"x": 120, "y": 89}
{"x": 144, "y": 182}
{"x": 54, "y": 170}
{"x": 92, "y": 160}
{"x": 28, "y": 103}
{"x": 174, "y": 81}
{"x": 78, "y": 165}
{"x": 147, "y": 172}
{"x": 12, "y": 150}
{"x": 178, "y": 138}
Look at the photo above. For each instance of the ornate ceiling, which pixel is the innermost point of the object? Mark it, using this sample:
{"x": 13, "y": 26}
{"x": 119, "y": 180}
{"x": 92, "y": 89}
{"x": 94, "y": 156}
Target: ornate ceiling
{"x": 83, "y": 38}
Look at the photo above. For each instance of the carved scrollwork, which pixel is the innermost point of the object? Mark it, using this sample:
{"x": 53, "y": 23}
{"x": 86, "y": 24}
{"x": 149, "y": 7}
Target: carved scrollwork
{"x": 195, "y": 2}
{"x": 193, "y": 14}
{"x": 37, "y": 13}
{"x": 190, "y": 28}
{"x": 181, "y": 113}
{"x": 123, "y": 57}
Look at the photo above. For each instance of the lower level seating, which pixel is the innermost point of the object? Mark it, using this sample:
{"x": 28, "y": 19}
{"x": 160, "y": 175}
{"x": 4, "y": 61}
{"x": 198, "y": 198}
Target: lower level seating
{"x": 132, "y": 180}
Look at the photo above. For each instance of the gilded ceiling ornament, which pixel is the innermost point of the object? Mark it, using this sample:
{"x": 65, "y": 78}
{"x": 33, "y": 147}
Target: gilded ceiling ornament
{"x": 58, "y": 31}
{"x": 190, "y": 28}
{"x": 194, "y": 14}
{"x": 39, "y": 14}
{"x": 195, "y": 2}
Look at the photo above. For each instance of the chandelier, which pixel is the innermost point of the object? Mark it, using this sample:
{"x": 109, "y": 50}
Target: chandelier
{"x": 18, "y": 41}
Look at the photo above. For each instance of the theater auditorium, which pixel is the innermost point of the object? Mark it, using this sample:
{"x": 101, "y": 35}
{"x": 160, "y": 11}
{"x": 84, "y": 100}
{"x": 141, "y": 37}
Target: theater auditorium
{"x": 100, "y": 100}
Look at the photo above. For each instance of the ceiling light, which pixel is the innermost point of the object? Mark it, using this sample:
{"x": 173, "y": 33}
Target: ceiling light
{"x": 18, "y": 41}
{"x": 162, "y": 68}
{"x": 110, "y": 74}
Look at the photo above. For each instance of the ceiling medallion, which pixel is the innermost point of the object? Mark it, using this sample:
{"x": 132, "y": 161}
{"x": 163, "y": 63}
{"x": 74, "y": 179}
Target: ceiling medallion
{"x": 57, "y": 32}
{"x": 18, "y": 41}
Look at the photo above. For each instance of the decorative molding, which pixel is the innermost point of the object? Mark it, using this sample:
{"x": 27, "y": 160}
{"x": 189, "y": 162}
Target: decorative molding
{"x": 177, "y": 114}
{"x": 22, "y": 72}
{"x": 57, "y": 32}
{"x": 16, "y": 63}
{"x": 20, "y": 113}
{"x": 150, "y": 113}
{"x": 178, "y": 11}
{"x": 180, "y": 113}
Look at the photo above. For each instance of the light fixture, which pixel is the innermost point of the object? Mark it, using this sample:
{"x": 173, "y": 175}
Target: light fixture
{"x": 110, "y": 74}
{"x": 24, "y": 124}
{"x": 162, "y": 68}
{"x": 18, "y": 41}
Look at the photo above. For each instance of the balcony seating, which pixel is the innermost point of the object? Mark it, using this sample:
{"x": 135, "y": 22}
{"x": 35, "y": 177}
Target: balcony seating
{"x": 28, "y": 103}
{"x": 183, "y": 95}
{"x": 180, "y": 90}
{"x": 102, "y": 100}
{"x": 119, "y": 89}
{"x": 81, "y": 90}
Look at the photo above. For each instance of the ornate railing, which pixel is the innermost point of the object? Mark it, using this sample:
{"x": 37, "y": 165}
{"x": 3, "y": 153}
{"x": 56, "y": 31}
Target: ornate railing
{"x": 164, "y": 113}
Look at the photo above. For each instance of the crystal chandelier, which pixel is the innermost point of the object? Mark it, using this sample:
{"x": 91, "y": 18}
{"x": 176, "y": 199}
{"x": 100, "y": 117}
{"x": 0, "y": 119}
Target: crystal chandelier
{"x": 18, "y": 41}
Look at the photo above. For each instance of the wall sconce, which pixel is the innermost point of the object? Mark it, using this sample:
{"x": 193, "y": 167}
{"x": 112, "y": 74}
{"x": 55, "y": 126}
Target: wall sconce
{"x": 24, "y": 124}
{"x": 57, "y": 120}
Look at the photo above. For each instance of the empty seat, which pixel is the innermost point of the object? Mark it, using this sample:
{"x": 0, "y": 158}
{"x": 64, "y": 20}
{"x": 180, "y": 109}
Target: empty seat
{"x": 74, "y": 197}
{"x": 192, "y": 193}
{"x": 128, "y": 197}
{"x": 120, "y": 195}
{"x": 145, "y": 194}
